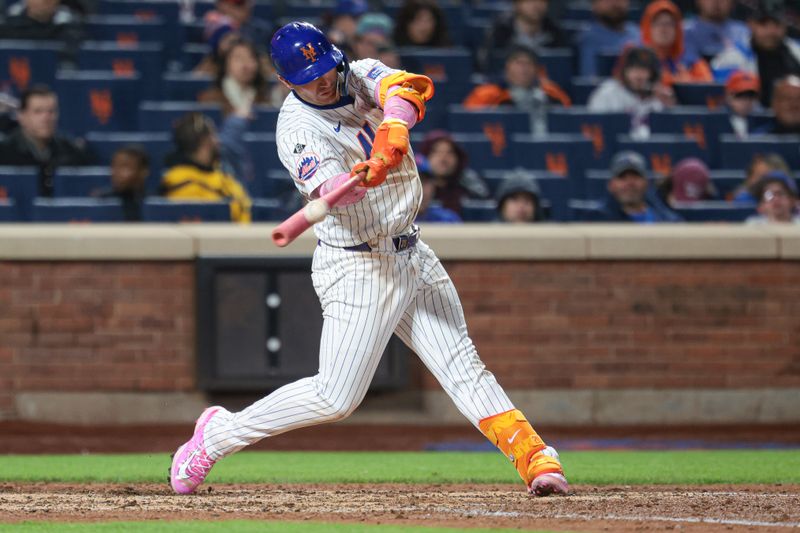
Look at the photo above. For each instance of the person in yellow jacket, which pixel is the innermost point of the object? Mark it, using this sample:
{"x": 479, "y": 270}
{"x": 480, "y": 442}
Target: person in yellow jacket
{"x": 195, "y": 171}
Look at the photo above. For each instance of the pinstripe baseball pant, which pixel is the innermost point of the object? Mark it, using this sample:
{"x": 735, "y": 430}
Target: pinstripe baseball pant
{"x": 365, "y": 297}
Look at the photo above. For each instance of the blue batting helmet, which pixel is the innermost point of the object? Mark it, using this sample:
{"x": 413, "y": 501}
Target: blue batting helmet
{"x": 301, "y": 53}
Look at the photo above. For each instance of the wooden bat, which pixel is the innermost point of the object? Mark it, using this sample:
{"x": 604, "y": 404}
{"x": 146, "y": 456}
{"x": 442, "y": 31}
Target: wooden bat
{"x": 311, "y": 213}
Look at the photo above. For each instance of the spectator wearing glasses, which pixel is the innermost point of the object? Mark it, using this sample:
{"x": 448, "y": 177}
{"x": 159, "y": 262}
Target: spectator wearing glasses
{"x": 777, "y": 200}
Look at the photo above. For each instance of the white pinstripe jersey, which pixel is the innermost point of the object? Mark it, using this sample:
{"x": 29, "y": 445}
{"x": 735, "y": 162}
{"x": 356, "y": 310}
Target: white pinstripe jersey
{"x": 317, "y": 143}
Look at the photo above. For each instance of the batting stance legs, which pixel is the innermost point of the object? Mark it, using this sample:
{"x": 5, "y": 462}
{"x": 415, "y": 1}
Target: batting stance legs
{"x": 365, "y": 297}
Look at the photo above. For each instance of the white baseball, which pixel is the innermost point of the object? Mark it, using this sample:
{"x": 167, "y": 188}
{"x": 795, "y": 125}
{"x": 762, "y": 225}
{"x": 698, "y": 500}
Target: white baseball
{"x": 316, "y": 210}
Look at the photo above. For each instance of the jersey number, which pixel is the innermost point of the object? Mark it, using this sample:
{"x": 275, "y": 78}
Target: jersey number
{"x": 365, "y": 137}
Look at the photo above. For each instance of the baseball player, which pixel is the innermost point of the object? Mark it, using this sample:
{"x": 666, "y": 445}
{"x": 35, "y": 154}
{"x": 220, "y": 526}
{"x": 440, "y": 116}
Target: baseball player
{"x": 372, "y": 273}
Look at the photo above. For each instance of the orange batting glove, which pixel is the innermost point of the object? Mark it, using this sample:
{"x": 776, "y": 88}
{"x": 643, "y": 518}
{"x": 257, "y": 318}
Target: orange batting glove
{"x": 391, "y": 141}
{"x": 376, "y": 169}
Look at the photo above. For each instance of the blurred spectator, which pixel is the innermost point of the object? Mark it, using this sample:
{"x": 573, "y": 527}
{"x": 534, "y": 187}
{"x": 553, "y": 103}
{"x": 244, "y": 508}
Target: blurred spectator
{"x": 786, "y": 106}
{"x": 448, "y": 166}
{"x": 741, "y": 99}
{"x": 518, "y": 198}
{"x": 760, "y": 165}
{"x": 8, "y": 107}
{"x": 715, "y": 36}
{"x": 373, "y": 34}
{"x": 421, "y": 23}
{"x": 521, "y": 87}
{"x": 389, "y": 56}
{"x": 45, "y": 20}
{"x": 256, "y": 30}
{"x": 429, "y": 209}
{"x": 240, "y": 81}
{"x": 774, "y": 55}
{"x": 635, "y": 89}
{"x": 130, "y": 166}
{"x": 777, "y": 200}
{"x": 662, "y": 31}
{"x": 344, "y": 21}
{"x": 219, "y": 33}
{"x": 528, "y": 25}
{"x": 609, "y": 32}
{"x": 690, "y": 181}
{"x": 197, "y": 169}
{"x": 36, "y": 142}
{"x": 629, "y": 199}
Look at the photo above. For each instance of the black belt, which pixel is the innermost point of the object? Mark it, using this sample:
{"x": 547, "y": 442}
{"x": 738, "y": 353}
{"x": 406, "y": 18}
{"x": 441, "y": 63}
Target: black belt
{"x": 401, "y": 242}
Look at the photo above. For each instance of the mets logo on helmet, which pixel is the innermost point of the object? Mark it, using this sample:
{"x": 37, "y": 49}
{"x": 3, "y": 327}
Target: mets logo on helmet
{"x": 309, "y": 53}
{"x": 308, "y": 166}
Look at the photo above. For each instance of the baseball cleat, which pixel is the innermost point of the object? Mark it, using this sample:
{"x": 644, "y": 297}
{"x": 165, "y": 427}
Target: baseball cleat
{"x": 548, "y": 476}
{"x": 191, "y": 464}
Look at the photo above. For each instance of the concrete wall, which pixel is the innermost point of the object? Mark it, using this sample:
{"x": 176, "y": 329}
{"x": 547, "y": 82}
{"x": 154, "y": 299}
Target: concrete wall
{"x": 581, "y": 324}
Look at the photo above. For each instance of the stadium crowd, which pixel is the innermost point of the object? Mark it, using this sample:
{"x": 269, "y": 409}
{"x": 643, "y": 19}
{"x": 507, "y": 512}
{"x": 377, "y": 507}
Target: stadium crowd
{"x": 587, "y": 110}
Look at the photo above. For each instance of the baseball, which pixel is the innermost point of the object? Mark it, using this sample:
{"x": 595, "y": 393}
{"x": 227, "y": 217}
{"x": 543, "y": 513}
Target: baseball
{"x": 316, "y": 210}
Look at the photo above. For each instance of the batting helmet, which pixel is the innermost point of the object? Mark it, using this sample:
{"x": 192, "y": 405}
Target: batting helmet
{"x": 301, "y": 53}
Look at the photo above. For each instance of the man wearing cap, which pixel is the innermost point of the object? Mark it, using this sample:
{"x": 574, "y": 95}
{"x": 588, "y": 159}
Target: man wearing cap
{"x": 777, "y": 200}
{"x": 690, "y": 181}
{"x": 518, "y": 198}
{"x": 741, "y": 99}
{"x": 774, "y": 54}
{"x": 628, "y": 197}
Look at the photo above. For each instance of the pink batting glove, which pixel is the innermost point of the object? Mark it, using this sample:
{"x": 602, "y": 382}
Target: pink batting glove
{"x": 356, "y": 194}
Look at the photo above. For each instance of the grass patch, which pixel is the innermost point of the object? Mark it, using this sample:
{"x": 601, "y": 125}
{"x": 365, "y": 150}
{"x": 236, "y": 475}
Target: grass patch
{"x": 239, "y": 526}
{"x": 584, "y": 467}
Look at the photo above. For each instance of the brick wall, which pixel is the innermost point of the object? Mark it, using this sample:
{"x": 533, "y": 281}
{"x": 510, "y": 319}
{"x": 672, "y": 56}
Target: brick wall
{"x": 606, "y": 324}
{"x": 104, "y": 326}
{"x": 111, "y": 326}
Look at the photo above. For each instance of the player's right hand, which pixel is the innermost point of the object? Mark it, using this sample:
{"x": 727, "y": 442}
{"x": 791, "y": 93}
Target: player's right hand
{"x": 376, "y": 169}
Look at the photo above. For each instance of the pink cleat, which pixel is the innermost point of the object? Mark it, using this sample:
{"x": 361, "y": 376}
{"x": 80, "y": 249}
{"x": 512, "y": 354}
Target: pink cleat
{"x": 551, "y": 478}
{"x": 191, "y": 464}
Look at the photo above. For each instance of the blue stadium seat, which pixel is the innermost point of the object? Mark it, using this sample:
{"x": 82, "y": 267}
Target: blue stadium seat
{"x": 482, "y": 153}
{"x": 585, "y": 210}
{"x": 20, "y": 184}
{"x": 267, "y": 210}
{"x": 264, "y": 151}
{"x": 602, "y": 129}
{"x": 663, "y": 151}
{"x": 80, "y": 181}
{"x": 715, "y": 211}
{"x": 262, "y": 10}
{"x": 454, "y": 64}
{"x": 555, "y": 191}
{"x": 160, "y": 116}
{"x": 606, "y": 61}
{"x": 144, "y": 58}
{"x": 127, "y": 29}
{"x": 302, "y": 9}
{"x": 192, "y": 54}
{"x": 98, "y": 101}
{"x": 201, "y": 7}
{"x": 265, "y": 119}
{"x": 563, "y": 155}
{"x": 8, "y": 211}
{"x": 725, "y": 181}
{"x": 486, "y": 121}
{"x": 141, "y": 10}
{"x": 581, "y": 88}
{"x": 24, "y": 63}
{"x": 735, "y": 153}
{"x": 478, "y": 210}
{"x": 185, "y": 85}
{"x": 709, "y": 95}
{"x": 158, "y": 145}
{"x": 276, "y": 183}
{"x": 698, "y": 123}
{"x": 77, "y": 210}
{"x": 165, "y": 210}
{"x": 558, "y": 65}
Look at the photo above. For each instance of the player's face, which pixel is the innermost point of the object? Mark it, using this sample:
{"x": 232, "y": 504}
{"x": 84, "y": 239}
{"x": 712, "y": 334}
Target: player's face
{"x": 321, "y": 91}
{"x": 40, "y": 117}
{"x": 777, "y": 204}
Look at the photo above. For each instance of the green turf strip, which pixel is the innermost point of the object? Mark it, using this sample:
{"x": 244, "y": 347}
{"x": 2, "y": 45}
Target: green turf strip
{"x": 596, "y": 467}
{"x": 228, "y": 526}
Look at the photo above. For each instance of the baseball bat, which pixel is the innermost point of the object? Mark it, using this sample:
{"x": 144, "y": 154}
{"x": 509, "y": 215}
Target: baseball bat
{"x": 311, "y": 213}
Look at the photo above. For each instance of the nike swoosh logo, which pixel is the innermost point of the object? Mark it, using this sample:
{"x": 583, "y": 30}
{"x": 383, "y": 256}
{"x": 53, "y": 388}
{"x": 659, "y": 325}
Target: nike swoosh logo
{"x": 182, "y": 470}
{"x": 338, "y": 127}
{"x": 514, "y": 436}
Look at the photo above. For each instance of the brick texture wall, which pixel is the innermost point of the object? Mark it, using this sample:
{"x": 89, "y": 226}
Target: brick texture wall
{"x": 109, "y": 326}
{"x": 105, "y": 326}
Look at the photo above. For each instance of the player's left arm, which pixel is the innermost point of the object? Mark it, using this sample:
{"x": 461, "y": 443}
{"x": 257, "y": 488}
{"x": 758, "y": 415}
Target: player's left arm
{"x": 403, "y": 97}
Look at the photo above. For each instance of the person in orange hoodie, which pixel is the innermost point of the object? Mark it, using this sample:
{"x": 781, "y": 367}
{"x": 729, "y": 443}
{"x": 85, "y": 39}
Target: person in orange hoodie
{"x": 662, "y": 30}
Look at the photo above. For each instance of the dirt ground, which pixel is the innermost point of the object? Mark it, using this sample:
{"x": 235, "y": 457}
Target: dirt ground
{"x": 617, "y": 508}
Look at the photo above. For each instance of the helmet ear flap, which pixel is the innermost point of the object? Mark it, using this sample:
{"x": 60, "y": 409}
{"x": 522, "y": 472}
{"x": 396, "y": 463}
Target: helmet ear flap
{"x": 342, "y": 72}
